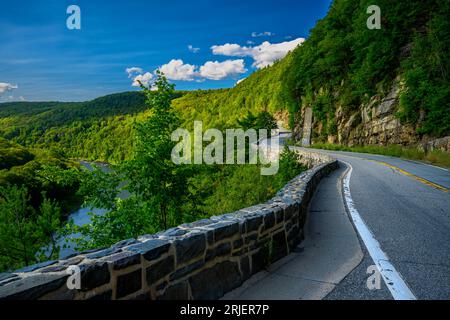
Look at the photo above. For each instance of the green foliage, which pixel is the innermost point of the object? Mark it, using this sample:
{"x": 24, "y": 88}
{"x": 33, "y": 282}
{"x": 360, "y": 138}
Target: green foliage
{"x": 343, "y": 56}
{"x": 37, "y": 190}
{"x": 163, "y": 194}
{"x": 152, "y": 174}
{"x": 427, "y": 77}
{"x": 97, "y": 130}
{"x": 37, "y": 171}
{"x": 343, "y": 63}
{"x": 12, "y": 154}
{"x": 156, "y": 185}
{"x": 261, "y": 91}
{"x": 25, "y": 233}
{"x": 263, "y": 120}
{"x": 235, "y": 187}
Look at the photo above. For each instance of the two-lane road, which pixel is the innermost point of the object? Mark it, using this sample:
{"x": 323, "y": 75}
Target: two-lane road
{"x": 406, "y": 207}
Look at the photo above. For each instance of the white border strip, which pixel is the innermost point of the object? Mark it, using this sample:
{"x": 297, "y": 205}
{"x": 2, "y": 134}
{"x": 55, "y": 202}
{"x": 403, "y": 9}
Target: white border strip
{"x": 391, "y": 276}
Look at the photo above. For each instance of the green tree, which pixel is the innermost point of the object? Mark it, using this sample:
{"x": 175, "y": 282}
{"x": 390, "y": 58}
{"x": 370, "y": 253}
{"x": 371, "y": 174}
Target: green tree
{"x": 25, "y": 234}
{"x": 152, "y": 174}
{"x": 156, "y": 186}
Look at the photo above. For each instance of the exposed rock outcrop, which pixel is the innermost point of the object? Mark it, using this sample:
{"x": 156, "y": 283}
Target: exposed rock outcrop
{"x": 375, "y": 123}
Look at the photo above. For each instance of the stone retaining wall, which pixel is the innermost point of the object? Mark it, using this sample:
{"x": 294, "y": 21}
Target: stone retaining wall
{"x": 200, "y": 260}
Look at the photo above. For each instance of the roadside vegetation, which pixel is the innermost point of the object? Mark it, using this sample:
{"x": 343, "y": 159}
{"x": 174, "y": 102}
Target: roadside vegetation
{"x": 39, "y": 188}
{"x": 163, "y": 194}
{"x": 435, "y": 157}
{"x": 341, "y": 65}
{"x": 34, "y": 203}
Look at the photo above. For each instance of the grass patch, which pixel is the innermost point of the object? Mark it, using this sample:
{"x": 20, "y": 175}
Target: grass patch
{"x": 435, "y": 157}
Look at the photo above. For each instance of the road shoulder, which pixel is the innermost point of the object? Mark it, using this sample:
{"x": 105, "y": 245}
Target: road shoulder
{"x": 330, "y": 251}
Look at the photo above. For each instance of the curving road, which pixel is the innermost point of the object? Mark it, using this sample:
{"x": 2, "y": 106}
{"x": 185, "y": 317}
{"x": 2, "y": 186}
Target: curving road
{"x": 406, "y": 207}
{"x": 376, "y": 217}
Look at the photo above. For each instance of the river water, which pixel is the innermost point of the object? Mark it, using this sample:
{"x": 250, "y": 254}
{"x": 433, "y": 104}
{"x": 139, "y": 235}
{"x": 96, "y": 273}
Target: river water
{"x": 81, "y": 217}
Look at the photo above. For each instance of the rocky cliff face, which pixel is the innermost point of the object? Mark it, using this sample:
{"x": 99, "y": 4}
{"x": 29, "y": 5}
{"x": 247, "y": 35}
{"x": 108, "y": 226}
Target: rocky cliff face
{"x": 375, "y": 123}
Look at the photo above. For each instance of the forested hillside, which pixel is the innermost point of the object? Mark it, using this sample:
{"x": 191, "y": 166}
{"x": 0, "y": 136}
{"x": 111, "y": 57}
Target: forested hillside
{"x": 364, "y": 87}
{"x": 343, "y": 70}
{"x": 100, "y": 130}
{"x": 262, "y": 91}
{"x": 343, "y": 64}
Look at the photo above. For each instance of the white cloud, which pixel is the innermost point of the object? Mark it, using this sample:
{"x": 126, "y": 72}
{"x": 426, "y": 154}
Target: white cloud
{"x": 264, "y": 55}
{"x": 193, "y": 49}
{"x": 232, "y": 50}
{"x": 176, "y": 69}
{"x": 4, "y": 87}
{"x": 262, "y": 34}
{"x": 215, "y": 70}
{"x": 133, "y": 70}
{"x": 144, "y": 79}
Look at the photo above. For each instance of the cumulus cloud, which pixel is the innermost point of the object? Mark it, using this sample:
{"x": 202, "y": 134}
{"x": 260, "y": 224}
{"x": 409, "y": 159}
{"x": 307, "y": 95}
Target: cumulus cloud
{"x": 176, "y": 69}
{"x": 193, "y": 49}
{"x": 4, "y": 87}
{"x": 133, "y": 70}
{"x": 262, "y": 34}
{"x": 264, "y": 55}
{"x": 145, "y": 79}
{"x": 137, "y": 74}
{"x": 215, "y": 70}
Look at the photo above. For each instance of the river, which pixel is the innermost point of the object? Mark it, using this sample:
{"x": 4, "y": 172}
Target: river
{"x": 81, "y": 217}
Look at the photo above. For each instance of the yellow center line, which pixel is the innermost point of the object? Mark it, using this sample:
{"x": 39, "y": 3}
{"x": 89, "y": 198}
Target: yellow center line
{"x": 406, "y": 173}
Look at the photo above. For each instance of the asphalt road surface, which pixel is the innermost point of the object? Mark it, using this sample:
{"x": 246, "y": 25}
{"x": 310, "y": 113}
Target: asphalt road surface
{"x": 406, "y": 207}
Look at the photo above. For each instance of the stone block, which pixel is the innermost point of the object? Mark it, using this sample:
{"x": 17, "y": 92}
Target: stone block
{"x": 160, "y": 269}
{"x": 186, "y": 270}
{"x": 190, "y": 247}
{"x": 225, "y": 230}
{"x": 151, "y": 249}
{"x": 220, "y": 250}
{"x": 123, "y": 260}
{"x": 129, "y": 283}
{"x": 177, "y": 291}
{"x": 32, "y": 287}
{"x": 94, "y": 275}
{"x": 213, "y": 283}
{"x": 254, "y": 223}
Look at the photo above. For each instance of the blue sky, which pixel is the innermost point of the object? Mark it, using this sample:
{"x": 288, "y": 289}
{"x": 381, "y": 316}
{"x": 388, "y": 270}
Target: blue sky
{"x": 41, "y": 59}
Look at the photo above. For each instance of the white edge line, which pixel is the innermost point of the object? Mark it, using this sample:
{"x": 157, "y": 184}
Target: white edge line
{"x": 391, "y": 276}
